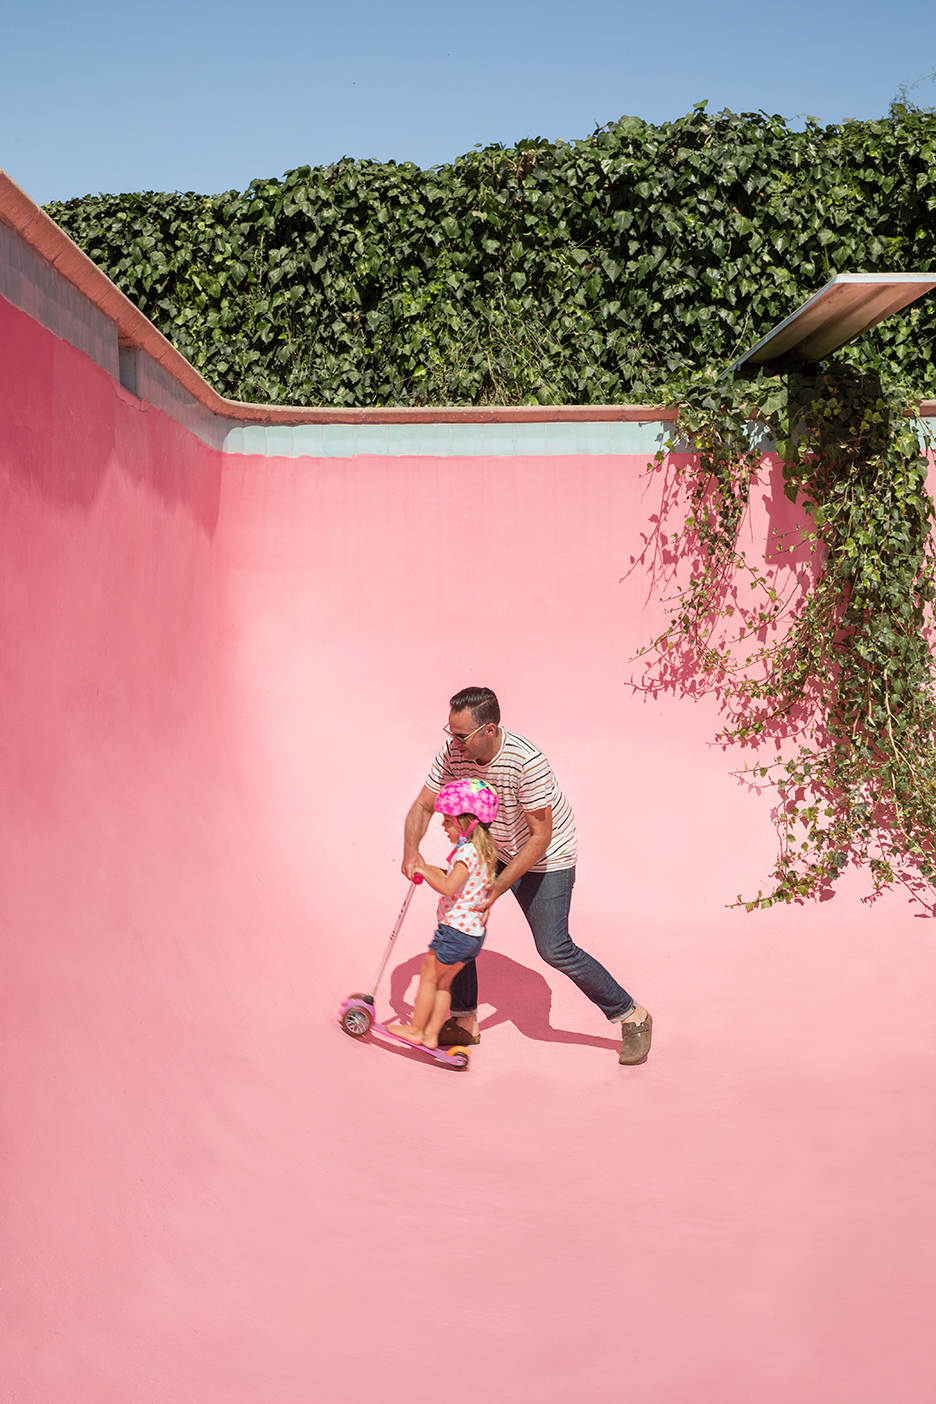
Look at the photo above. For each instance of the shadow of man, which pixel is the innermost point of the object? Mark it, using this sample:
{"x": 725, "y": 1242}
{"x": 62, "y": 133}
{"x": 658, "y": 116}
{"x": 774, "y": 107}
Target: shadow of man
{"x": 519, "y": 996}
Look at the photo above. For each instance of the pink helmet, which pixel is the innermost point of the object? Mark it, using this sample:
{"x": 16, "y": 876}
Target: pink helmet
{"x": 472, "y": 796}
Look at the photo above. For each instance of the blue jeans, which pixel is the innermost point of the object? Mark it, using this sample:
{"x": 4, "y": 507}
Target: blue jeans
{"x": 545, "y": 899}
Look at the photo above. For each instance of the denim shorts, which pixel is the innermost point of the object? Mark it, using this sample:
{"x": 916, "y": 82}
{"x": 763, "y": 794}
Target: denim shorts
{"x": 452, "y": 945}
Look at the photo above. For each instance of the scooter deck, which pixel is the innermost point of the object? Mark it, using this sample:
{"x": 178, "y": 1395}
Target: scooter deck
{"x": 452, "y": 1057}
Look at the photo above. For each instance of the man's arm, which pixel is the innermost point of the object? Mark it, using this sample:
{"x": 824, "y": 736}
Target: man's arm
{"x": 539, "y": 822}
{"x": 417, "y": 822}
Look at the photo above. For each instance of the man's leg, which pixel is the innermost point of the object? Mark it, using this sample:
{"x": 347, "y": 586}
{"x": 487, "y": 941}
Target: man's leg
{"x": 464, "y": 1011}
{"x": 545, "y": 899}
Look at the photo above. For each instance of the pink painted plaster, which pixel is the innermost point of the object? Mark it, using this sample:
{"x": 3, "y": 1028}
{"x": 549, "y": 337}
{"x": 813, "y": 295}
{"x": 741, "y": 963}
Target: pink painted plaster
{"x": 223, "y": 681}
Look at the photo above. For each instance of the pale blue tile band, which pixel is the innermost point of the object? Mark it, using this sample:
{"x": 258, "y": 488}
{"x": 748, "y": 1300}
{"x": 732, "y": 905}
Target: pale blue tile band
{"x": 447, "y": 440}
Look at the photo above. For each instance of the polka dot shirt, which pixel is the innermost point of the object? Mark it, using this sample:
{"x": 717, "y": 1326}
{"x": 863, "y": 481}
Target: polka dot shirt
{"x": 458, "y": 911}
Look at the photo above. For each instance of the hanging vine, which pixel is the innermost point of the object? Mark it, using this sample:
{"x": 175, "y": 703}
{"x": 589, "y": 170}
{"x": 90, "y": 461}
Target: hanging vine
{"x": 836, "y": 674}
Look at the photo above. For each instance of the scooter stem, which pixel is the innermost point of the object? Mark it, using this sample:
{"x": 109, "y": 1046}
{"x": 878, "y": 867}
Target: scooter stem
{"x": 395, "y": 933}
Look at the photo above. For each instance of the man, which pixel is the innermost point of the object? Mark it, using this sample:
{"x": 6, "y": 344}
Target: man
{"x": 534, "y": 833}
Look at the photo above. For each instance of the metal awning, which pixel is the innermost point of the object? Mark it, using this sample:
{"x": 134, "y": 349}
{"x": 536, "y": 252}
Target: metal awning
{"x": 839, "y": 312}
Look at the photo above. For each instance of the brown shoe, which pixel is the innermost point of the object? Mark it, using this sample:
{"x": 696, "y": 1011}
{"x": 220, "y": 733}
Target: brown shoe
{"x": 452, "y": 1035}
{"x": 636, "y": 1043}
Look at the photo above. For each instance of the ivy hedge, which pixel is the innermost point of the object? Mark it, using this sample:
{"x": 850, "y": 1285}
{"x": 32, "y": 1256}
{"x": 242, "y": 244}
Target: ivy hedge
{"x": 585, "y": 272}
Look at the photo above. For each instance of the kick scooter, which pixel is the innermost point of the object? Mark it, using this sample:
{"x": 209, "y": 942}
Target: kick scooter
{"x": 357, "y": 1011}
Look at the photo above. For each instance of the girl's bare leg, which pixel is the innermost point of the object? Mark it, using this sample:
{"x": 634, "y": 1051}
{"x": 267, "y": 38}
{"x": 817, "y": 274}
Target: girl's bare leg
{"x": 434, "y": 980}
{"x": 440, "y": 1012}
{"x": 431, "y": 972}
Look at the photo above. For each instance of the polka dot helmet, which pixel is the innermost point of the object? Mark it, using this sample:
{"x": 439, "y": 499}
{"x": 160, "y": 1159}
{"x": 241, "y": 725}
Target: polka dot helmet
{"x": 472, "y": 796}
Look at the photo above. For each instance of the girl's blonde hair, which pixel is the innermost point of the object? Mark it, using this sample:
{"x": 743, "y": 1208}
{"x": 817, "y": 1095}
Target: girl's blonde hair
{"x": 480, "y": 836}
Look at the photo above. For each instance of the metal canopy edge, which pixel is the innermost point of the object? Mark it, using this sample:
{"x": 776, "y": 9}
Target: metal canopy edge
{"x": 836, "y": 314}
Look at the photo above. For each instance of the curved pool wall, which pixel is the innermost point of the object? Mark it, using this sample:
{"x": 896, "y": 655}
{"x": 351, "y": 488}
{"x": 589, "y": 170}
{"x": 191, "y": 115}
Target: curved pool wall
{"x": 227, "y": 650}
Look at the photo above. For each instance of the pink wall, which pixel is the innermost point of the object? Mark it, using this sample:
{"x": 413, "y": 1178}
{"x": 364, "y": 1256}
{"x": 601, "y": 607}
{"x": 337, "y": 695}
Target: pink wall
{"x": 223, "y": 681}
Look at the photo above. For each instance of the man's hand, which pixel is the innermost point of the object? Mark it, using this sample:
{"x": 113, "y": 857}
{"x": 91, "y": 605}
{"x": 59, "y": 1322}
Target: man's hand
{"x": 490, "y": 897}
{"x": 412, "y": 865}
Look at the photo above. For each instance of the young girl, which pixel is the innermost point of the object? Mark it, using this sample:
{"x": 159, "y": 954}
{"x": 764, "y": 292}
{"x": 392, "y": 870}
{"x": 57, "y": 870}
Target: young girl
{"x": 468, "y": 808}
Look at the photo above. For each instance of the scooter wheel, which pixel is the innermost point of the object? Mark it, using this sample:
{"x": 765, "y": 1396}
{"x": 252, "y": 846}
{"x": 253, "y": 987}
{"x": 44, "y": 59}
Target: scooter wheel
{"x": 461, "y": 1056}
{"x": 356, "y": 1022}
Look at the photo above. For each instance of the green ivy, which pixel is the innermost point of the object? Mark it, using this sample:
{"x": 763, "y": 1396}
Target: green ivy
{"x": 584, "y": 272}
{"x": 837, "y": 678}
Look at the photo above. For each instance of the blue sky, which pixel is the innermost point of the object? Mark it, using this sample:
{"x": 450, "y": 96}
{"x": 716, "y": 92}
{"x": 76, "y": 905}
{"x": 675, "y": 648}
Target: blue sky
{"x": 205, "y": 96}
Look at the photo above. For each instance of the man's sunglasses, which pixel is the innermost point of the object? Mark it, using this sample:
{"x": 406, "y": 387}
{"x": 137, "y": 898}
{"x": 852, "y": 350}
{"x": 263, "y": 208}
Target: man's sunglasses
{"x": 462, "y": 739}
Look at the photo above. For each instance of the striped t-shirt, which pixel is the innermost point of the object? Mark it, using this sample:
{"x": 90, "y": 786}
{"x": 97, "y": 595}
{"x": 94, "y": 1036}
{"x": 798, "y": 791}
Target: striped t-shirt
{"x": 523, "y": 779}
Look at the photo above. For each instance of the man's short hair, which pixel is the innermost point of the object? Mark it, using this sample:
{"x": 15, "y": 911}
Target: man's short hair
{"x": 480, "y": 701}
